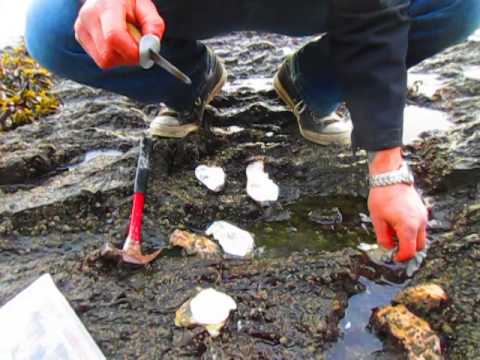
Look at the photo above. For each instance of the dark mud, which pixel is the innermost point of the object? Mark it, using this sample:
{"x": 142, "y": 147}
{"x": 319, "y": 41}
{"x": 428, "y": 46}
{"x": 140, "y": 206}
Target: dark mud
{"x": 57, "y": 209}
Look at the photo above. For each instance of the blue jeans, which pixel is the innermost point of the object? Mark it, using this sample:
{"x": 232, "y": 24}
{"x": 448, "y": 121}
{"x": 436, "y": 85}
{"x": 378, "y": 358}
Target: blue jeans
{"x": 436, "y": 25}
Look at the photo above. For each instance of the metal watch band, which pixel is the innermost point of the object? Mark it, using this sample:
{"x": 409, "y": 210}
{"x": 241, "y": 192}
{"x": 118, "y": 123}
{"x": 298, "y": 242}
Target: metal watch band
{"x": 400, "y": 176}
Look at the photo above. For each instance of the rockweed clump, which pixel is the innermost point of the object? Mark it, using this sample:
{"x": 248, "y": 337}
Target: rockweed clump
{"x": 25, "y": 86}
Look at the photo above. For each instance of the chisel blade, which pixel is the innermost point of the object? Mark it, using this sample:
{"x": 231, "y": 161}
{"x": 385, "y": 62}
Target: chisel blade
{"x": 172, "y": 69}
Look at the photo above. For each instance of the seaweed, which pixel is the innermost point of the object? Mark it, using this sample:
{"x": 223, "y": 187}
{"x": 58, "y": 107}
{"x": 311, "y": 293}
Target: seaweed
{"x": 25, "y": 89}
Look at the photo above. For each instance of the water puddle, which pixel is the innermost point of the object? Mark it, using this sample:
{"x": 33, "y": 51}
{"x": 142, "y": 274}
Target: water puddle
{"x": 253, "y": 84}
{"x": 357, "y": 341}
{"x": 419, "y": 120}
{"x": 92, "y": 155}
{"x": 472, "y": 72}
{"x": 287, "y": 51}
{"x": 425, "y": 84}
{"x": 475, "y": 36}
{"x": 298, "y": 230}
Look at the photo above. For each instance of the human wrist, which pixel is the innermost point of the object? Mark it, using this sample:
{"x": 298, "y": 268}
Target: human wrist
{"x": 386, "y": 160}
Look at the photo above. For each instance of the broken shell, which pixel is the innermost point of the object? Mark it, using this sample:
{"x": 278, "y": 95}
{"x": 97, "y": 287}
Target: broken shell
{"x": 259, "y": 185}
{"x": 233, "y": 240}
{"x": 385, "y": 257}
{"x": 213, "y": 177}
{"x": 367, "y": 247}
{"x": 209, "y": 308}
{"x": 411, "y": 332}
{"x": 194, "y": 243}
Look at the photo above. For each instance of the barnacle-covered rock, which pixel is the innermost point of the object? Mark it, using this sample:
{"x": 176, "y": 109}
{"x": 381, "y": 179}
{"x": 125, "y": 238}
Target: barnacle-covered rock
{"x": 411, "y": 332}
{"x": 24, "y": 90}
{"x": 422, "y": 298}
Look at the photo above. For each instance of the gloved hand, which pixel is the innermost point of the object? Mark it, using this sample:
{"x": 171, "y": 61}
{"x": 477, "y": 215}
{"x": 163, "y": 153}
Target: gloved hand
{"x": 101, "y": 29}
{"x": 397, "y": 210}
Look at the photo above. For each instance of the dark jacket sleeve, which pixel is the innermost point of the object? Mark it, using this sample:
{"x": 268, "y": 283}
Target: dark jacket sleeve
{"x": 369, "y": 42}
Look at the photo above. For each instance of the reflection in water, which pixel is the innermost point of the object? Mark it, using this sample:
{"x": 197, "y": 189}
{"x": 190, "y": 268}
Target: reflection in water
{"x": 253, "y": 84}
{"x": 475, "y": 36}
{"x": 419, "y": 120}
{"x": 425, "y": 84}
{"x": 91, "y": 155}
{"x": 358, "y": 342}
{"x": 472, "y": 72}
{"x": 12, "y": 20}
{"x": 297, "y": 231}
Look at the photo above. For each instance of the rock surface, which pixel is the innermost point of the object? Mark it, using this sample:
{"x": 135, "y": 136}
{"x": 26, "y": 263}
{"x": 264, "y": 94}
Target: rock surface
{"x": 55, "y": 214}
{"x": 412, "y": 332}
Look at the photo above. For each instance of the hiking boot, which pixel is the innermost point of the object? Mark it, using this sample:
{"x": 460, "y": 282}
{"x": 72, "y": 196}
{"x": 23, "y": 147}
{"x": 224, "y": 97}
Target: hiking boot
{"x": 178, "y": 124}
{"x": 323, "y": 130}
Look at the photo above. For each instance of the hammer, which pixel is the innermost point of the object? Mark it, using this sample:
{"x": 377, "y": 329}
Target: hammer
{"x": 131, "y": 253}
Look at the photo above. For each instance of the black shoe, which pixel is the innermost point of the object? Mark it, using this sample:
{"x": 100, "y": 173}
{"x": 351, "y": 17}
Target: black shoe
{"x": 323, "y": 130}
{"x": 178, "y": 124}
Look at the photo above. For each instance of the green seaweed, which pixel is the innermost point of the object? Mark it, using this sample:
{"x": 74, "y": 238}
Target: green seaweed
{"x": 25, "y": 90}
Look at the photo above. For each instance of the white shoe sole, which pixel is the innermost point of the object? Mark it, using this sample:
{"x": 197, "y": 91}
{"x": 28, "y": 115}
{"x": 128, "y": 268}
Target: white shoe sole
{"x": 181, "y": 131}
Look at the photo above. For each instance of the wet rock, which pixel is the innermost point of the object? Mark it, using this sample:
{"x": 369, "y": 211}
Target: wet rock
{"x": 194, "y": 244}
{"x": 412, "y": 333}
{"x": 422, "y": 299}
{"x": 209, "y": 308}
{"x": 302, "y": 288}
{"x": 326, "y": 216}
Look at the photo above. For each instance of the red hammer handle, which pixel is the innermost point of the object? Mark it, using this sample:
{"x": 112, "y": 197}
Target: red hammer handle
{"x": 141, "y": 181}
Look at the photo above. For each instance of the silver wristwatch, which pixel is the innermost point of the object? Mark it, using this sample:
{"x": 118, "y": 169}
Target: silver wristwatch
{"x": 401, "y": 176}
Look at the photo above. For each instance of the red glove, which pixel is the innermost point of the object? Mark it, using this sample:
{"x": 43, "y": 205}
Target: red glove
{"x": 101, "y": 29}
{"x": 397, "y": 210}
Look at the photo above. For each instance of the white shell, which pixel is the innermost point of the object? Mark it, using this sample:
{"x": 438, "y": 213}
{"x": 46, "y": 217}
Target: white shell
{"x": 259, "y": 185}
{"x": 212, "y": 177}
{"x": 233, "y": 240}
{"x": 367, "y": 247}
{"x": 210, "y": 307}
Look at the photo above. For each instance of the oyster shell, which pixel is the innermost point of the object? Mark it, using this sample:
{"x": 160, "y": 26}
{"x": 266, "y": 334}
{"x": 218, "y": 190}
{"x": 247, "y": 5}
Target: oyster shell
{"x": 232, "y": 239}
{"x": 385, "y": 257}
{"x": 209, "y": 308}
{"x": 194, "y": 244}
{"x": 259, "y": 185}
{"x": 213, "y": 177}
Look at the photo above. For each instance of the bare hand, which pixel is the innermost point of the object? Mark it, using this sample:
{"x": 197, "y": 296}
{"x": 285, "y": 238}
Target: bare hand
{"x": 101, "y": 29}
{"x": 396, "y": 209}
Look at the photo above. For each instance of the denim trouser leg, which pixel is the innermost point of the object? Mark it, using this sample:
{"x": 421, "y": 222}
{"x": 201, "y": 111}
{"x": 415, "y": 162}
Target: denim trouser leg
{"x": 436, "y": 25}
{"x": 50, "y": 39}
